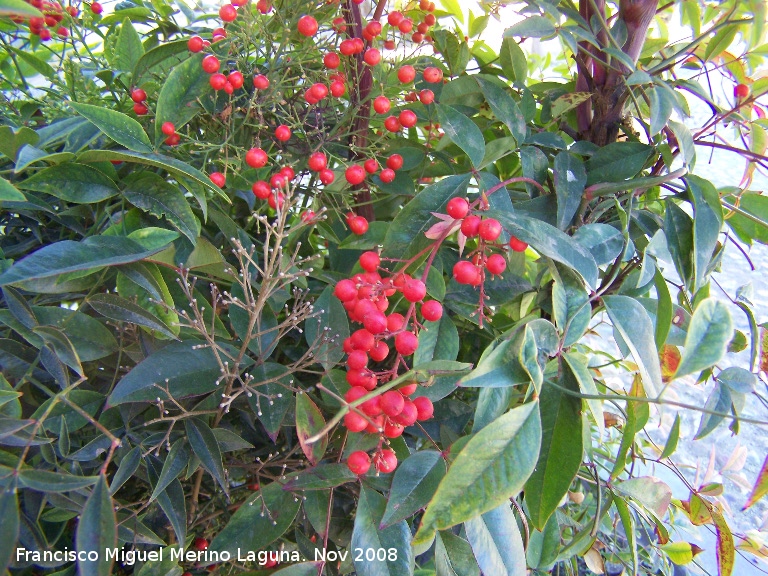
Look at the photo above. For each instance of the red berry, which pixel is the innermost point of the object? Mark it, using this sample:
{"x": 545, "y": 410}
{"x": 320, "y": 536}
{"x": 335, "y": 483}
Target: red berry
{"x": 406, "y": 343}
{"x": 338, "y": 88}
{"x": 457, "y": 208}
{"x": 140, "y": 109}
{"x": 283, "y": 133}
{"x": 371, "y": 165}
{"x": 319, "y": 90}
{"x": 393, "y": 429}
{"x": 379, "y": 351}
{"x": 354, "y": 422}
{"x": 496, "y": 264}
{"x": 414, "y": 290}
{"x": 331, "y": 60}
{"x": 392, "y": 124}
{"x": 381, "y": 104}
{"x": 387, "y": 175}
{"x": 357, "y": 360}
{"x": 358, "y": 225}
{"x": 408, "y": 118}
{"x": 432, "y": 310}
{"x": 200, "y": 544}
{"x": 389, "y": 44}
{"x": 392, "y": 403}
{"x": 409, "y": 415}
{"x": 359, "y": 462}
{"x": 395, "y": 322}
{"x": 236, "y": 79}
{"x": 395, "y": 162}
{"x": 345, "y": 290}
{"x": 405, "y": 26}
{"x": 517, "y": 245}
{"x": 218, "y": 81}
{"x": 173, "y": 140}
{"x": 375, "y": 322}
{"x": 228, "y": 13}
{"x": 96, "y": 8}
{"x": 362, "y": 340}
{"x": 168, "y": 128}
{"x": 288, "y": 173}
{"x": 470, "y": 226}
{"x": 385, "y": 461}
{"x": 371, "y": 406}
{"x": 261, "y": 190}
{"x": 489, "y": 229}
{"x": 138, "y": 95}
{"x": 394, "y": 18}
{"x": 210, "y": 64}
{"x": 741, "y": 91}
{"x": 218, "y": 178}
{"x": 433, "y": 75}
{"x": 355, "y": 174}
{"x": 317, "y": 161}
{"x": 307, "y": 25}
{"x": 276, "y": 200}
{"x": 195, "y": 44}
{"x": 426, "y": 96}
{"x": 369, "y": 261}
{"x": 326, "y": 176}
{"x": 408, "y": 389}
{"x": 347, "y": 47}
{"x": 256, "y": 158}
{"x": 372, "y": 56}
{"x": 406, "y": 74}
{"x": 465, "y": 272}
{"x": 424, "y": 408}
{"x": 260, "y": 82}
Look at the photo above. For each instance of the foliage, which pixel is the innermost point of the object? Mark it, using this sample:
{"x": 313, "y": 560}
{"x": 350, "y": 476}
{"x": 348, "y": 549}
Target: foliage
{"x": 352, "y": 313}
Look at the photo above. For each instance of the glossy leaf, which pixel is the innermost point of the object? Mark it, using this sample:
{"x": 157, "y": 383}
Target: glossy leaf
{"x": 603, "y": 241}
{"x": 662, "y": 106}
{"x": 561, "y": 450}
{"x": 117, "y": 308}
{"x": 634, "y": 325}
{"x": 503, "y": 107}
{"x": 413, "y": 485}
{"x": 171, "y": 500}
{"x": 129, "y": 48}
{"x": 206, "y": 447}
{"x": 674, "y": 436}
{"x": 9, "y": 527}
{"x": 176, "y": 460}
{"x": 531, "y": 27}
{"x": 453, "y": 556}
{"x": 437, "y": 341}
{"x": 709, "y": 333}
{"x": 513, "y": 60}
{"x": 259, "y": 521}
{"x": 73, "y": 182}
{"x": 331, "y": 324}
{"x": 570, "y": 178}
{"x": 127, "y": 468}
{"x": 178, "y": 99}
{"x": 497, "y": 543}
{"x": 70, "y": 256}
{"x": 577, "y": 364}
{"x": 9, "y": 193}
{"x": 649, "y": 491}
{"x": 366, "y": 535}
{"x": 97, "y": 531}
{"x": 617, "y": 161}
{"x": 680, "y": 553}
{"x": 462, "y": 132}
{"x": 321, "y": 477}
{"x": 717, "y": 405}
{"x": 18, "y": 8}
{"x": 47, "y": 481}
{"x": 309, "y": 421}
{"x": 121, "y": 128}
{"x": 492, "y": 467}
{"x": 706, "y": 226}
{"x": 158, "y": 55}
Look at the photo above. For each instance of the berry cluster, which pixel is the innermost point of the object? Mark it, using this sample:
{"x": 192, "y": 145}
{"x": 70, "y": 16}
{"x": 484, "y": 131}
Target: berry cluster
{"x": 139, "y": 97}
{"x": 366, "y": 298}
{"x": 52, "y": 17}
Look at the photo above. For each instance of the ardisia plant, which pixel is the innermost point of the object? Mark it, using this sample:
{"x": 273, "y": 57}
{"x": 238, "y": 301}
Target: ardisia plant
{"x": 337, "y": 288}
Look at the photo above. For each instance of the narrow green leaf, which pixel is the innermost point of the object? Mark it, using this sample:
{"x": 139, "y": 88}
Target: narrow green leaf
{"x": 504, "y": 107}
{"x": 603, "y": 241}
{"x": 276, "y": 397}
{"x": 651, "y": 492}
{"x": 73, "y": 182}
{"x": 497, "y": 543}
{"x": 178, "y": 99}
{"x": 331, "y": 325}
{"x": 577, "y": 364}
{"x": 38, "y": 64}
{"x": 662, "y": 106}
{"x": 121, "y": 128}
{"x": 663, "y": 310}
{"x": 634, "y": 325}
{"x": 171, "y": 501}
{"x": 513, "y": 60}
{"x": 628, "y": 522}
{"x": 9, "y": 527}
{"x": 674, "y": 435}
{"x": 97, "y": 531}
{"x": 531, "y": 27}
{"x": 176, "y": 460}
{"x": 709, "y": 333}
{"x": 708, "y": 219}
{"x": 759, "y": 490}
{"x": 309, "y": 421}
{"x": 462, "y": 132}
{"x": 561, "y": 450}
{"x": 8, "y": 193}
{"x": 726, "y": 551}
{"x": 366, "y": 535}
{"x": 118, "y": 308}
{"x": 617, "y": 161}
{"x": 46, "y": 481}
{"x": 206, "y": 447}
{"x": 413, "y": 485}
{"x": 719, "y": 400}
{"x": 571, "y": 312}
{"x": 157, "y": 55}
{"x": 492, "y": 467}
{"x": 570, "y": 178}
{"x": 18, "y": 8}
{"x": 438, "y": 341}
{"x": 259, "y": 521}
{"x": 129, "y": 48}
{"x": 128, "y": 466}
{"x": 61, "y": 345}
{"x": 453, "y": 556}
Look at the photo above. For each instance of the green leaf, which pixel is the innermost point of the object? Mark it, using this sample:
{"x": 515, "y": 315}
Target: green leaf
{"x": 438, "y": 341}
{"x": 674, "y": 435}
{"x": 413, "y": 485}
{"x": 568, "y": 102}
{"x": 499, "y": 366}
{"x": 18, "y": 8}
{"x": 577, "y": 365}
{"x": 759, "y": 490}
{"x": 46, "y": 481}
{"x": 73, "y": 182}
{"x": 259, "y": 521}
{"x": 551, "y": 242}
{"x": 97, "y": 531}
{"x": 175, "y": 167}
{"x": 651, "y": 492}
{"x": 739, "y": 380}
{"x": 492, "y": 467}
{"x": 709, "y": 332}
{"x": 708, "y": 219}
{"x": 632, "y": 322}
{"x": 721, "y": 41}
{"x": 185, "y": 368}
{"x": 366, "y": 535}
{"x": 531, "y": 27}
{"x": 206, "y": 447}
{"x": 749, "y": 217}
{"x": 561, "y": 450}
{"x": 678, "y": 230}
{"x": 570, "y": 310}
{"x": 321, "y": 477}
{"x": 178, "y": 100}
{"x": 570, "y": 178}
{"x": 662, "y": 105}
{"x": 61, "y": 345}
{"x": 275, "y": 399}
{"x": 330, "y": 324}
{"x": 9, "y": 527}
{"x": 617, "y": 161}
{"x": 128, "y": 466}
{"x": 70, "y": 256}
{"x": 38, "y": 64}
{"x": 628, "y": 523}
{"x": 680, "y": 553}
{"x": 513, "y": 61}
{"x": 158, "y": 55}
{"x": 453, "y": 556}
{"x": 503, "y": 107}
{"x": 171, "y": 500}
{"x": 8, "y": 192}
{"x": 719, "y": 400}
{"x": 497, "y": 543}
{"x": 128, "y": 48}
{"x": 153, "y": 194}
{"x": 176, "y": 460}
{"x": 462, "y": 132}
{"x": 117, "y": 308}
{"x": 121, "y": 128}
{"x": 405, "y": 236}
{"x": 309, "y": 421}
